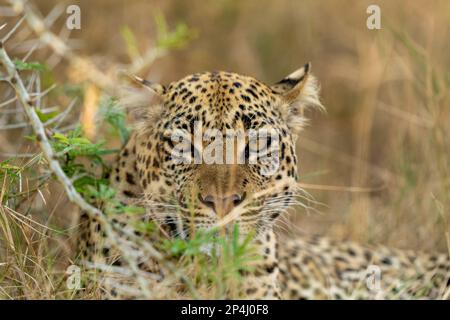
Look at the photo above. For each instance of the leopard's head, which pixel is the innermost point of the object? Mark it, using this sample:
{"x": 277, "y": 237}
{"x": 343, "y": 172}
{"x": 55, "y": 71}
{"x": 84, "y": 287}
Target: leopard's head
{"x": 219, "y": 149}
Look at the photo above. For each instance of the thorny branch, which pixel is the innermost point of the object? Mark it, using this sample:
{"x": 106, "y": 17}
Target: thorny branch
{"x": 38, "y": 25}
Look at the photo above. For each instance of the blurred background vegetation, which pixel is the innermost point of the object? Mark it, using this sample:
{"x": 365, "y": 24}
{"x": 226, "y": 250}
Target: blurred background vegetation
{"x": 378, "y": 161}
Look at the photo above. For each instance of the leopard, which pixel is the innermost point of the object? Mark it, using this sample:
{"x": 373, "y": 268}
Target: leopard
{"x": 252, "y": 194}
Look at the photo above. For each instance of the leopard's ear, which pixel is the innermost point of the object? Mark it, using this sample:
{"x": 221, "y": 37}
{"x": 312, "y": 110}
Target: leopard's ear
{"x": 144, "y": 104}
{"x": 156, "y": 88}
{"x": 298, "y": 91}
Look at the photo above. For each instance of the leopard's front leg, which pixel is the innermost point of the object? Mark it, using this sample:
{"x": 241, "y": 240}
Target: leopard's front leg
{"x": 262, "y": 281}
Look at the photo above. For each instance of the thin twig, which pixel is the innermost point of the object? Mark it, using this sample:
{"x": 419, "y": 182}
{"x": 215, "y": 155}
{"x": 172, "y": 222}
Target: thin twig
{"x": 10, "y": 33}
{"x": 5, "y": 103}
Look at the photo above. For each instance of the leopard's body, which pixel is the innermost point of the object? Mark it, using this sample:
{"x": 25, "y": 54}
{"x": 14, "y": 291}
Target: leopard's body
{"x": 293, "y": 269}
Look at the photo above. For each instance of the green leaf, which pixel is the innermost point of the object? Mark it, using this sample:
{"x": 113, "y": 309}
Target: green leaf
{"x": 133, "y": 210}
{"x": 145, "y": 227}
{"x": 60, "y": 137}
{"x": 44, "y": 117}
{"x": 172, "y": 39}
{"x": 9, "y": 169}
{"x": 74, "y": 145}
{"x": 115, "y": 117}
{"x": 130, "y": 40}
{"x": 35, "y": 66}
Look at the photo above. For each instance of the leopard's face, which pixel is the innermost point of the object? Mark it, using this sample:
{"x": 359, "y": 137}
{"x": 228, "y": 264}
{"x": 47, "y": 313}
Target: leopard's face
{"x": 221, "y": 151}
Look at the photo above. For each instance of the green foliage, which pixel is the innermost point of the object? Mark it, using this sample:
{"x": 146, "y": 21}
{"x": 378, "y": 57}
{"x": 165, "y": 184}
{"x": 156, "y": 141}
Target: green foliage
{"x": 131, "y": 42}
{"x": 11, "y": 179}
{"x": 102, "y": 193}
{"x": 219, "y": 259}
{"x": 111, "y": 112}
{"x": 73, "y": 90}
{"x": 70, "y": 149}
{"x": 44, "y": 117}
{"x": 75, "y": 145}
{"x": 166, "y": 39}
{"x": 9, "y": 175}
{"x": 9, "y": 170}
{"x": 146, "y": 228}
{"x": 175, "y": 39}
{"x": 105, "y": 197}
{"x": 33, "y": 66}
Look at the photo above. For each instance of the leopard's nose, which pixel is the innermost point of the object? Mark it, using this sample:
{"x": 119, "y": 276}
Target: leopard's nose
{"x": 222, "y": 205}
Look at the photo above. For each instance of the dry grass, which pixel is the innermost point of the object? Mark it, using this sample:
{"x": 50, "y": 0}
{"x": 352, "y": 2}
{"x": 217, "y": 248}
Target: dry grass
{"x": 379, "y": 159}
